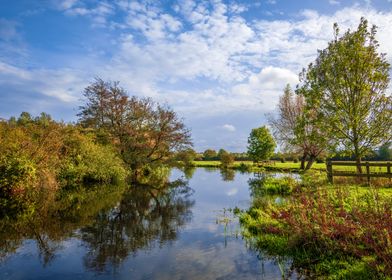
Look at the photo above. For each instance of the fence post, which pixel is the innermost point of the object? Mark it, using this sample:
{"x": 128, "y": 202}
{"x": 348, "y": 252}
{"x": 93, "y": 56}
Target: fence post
{"x": 368, "y": 172}
{"x": 329, "y": 172}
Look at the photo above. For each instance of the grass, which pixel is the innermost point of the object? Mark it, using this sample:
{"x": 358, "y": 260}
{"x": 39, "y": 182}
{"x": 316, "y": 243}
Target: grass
{"x": 285, "y": 166}
{"x": 328, "y": 231}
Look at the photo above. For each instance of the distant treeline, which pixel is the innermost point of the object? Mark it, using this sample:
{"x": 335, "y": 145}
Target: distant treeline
{"x": 383, "y": 153}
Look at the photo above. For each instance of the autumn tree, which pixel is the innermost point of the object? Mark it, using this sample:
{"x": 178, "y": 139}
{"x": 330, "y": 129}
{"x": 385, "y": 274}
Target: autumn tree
{"x": 144, "y": 131}
{"x": 261, "y": 144}
{"x": 297, "y": 129}
{"x": 346, "y": 86}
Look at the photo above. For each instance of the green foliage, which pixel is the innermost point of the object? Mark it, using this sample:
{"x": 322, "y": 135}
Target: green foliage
{"x": 88, "y": 162}
{"x": 261, "y": 144}
{"x": 346, "y": 87}
{"x": 334, "y": 233}
{"x": 385, "y": 152}
{"x": 187, "y": 156}
{"x": 270, "y": 185}
{"x": 38, "y": 154}
{"x": 226, "y": 159}
{"x": 210, "y": 154}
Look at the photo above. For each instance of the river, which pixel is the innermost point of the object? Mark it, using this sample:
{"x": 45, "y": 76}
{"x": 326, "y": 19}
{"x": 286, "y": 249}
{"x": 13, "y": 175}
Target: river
{"x": 185, "y": 231}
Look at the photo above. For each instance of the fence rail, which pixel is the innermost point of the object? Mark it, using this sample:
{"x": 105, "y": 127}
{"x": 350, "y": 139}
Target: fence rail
{"x": 334, "y": 173}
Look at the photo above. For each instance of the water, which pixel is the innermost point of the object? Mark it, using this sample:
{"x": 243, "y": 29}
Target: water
{"x": 185, "y": 231}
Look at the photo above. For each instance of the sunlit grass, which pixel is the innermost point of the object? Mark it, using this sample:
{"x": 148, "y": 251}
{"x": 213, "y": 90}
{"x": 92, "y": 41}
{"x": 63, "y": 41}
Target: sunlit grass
{"x": 289, "y": 166}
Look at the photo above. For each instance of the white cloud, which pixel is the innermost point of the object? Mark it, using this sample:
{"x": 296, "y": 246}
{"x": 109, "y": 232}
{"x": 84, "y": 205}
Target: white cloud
{"x": 199, "y": 56}
{"x": 334, "y": 2}
{"x": 228, "y": 127}
{"x": 232, "y": 192}
{"x": 65, "y": 85}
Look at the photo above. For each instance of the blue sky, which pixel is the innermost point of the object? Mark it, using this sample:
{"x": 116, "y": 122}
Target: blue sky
{"x": 220, "y": 64}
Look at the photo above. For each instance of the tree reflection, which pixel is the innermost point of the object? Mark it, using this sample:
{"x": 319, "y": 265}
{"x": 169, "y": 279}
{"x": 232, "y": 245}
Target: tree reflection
{"x": 189, "y": 171}
{"x": 111, "y": 222}
{"x": 146, "y": 217}
{"x": 227, "y": 174}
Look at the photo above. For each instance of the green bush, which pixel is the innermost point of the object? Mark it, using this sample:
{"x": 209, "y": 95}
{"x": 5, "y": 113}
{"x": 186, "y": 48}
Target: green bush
{"x": 88, "y": 162}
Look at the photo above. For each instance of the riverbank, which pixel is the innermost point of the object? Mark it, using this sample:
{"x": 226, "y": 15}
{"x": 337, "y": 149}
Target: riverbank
{"x": 277, "y": 166}
{"x": 327, "y": 231}
{"x": 253, "y": 167}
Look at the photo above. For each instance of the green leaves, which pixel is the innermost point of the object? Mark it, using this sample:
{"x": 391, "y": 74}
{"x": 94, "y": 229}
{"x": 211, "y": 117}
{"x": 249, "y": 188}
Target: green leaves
{"x": 347, "y": 86}
{"x": 261, "y": 144}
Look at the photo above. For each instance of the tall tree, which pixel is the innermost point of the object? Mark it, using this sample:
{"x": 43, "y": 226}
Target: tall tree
{"x": 261, "y": 144}
{"x": 144, "y": 131}
{"x": 346, "y": 85}
{"x": 295, "y": 127}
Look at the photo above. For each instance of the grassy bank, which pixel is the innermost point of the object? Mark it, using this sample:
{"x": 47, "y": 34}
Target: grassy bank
{"x": 329, "y": 232}
{"x": 278, "y": 166}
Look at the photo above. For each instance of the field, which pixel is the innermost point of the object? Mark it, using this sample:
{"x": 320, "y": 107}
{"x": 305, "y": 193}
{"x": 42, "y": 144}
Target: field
{"x": 282, "y": 166}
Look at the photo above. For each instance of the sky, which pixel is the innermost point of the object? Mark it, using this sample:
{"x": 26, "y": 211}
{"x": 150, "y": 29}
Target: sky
{"x": 221, "y": 65}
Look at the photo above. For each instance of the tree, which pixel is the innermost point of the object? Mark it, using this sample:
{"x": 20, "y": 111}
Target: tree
{"x": 221, "y": 152}
{"x": 296, "y": 128}
{"x": 385, "y": 152}
{"x": 226, "y": 159}
{"x": 209, "y": 154}
{"x": 261, "y": 144}
{"x": 186, "y": 156}
{"x": 346, "y": 87}
{"x": 143, "y": 131}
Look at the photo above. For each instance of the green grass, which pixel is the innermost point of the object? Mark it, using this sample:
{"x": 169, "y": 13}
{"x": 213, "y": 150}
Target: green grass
{"x": 286, "y": 166}
{"x": 328, "y": 231}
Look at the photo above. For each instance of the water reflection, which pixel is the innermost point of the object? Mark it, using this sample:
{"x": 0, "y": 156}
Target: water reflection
{"x": 147, "y": 216}
{"x": 227, "y": 174}
{"x": 158, "y": 230}
{"x": 111, "y": 222}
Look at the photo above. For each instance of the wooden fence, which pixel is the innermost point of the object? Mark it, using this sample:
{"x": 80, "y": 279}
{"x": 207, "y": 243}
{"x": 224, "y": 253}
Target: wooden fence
{"x": 383, "y": 166}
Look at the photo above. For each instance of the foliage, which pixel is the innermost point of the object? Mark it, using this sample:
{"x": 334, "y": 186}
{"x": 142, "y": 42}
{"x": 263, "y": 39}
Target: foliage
{"x": 385, "y": 152}
{"x": 346, "y": 87}
{"x": 143, "y": 131}
{"x": 226, "y": 159}
{"x": 89, "y": 162}
{"x": 210, "y": 154}
{"x": 297, "y": 129}
{"x": 187, "y": 156}
{"x": 38, "y": 154}
{"x": 270, "y": 185}
{"x": 261, "y": 144}
{"x": 338, "y": 233}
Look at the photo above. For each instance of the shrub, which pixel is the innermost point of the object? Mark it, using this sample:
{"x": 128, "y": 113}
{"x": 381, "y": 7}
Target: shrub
{"x": 338, "y": 233}
{"x": 227, "y": 159}
{"x": 89, "y": 162}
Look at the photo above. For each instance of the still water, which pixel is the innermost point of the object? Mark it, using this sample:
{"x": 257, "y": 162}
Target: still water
{"x": 182, "y": 231}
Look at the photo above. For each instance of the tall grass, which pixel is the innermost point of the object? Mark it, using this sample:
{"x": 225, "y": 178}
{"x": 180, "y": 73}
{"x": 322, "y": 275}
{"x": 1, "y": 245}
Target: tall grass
{"x": 342, "y": 232}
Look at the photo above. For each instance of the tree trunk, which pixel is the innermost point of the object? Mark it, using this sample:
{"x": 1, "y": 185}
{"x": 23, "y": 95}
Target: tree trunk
{"x": 312, "y": 159}
{"x": 303, "y": 160}
{"x": 359, "y": 167}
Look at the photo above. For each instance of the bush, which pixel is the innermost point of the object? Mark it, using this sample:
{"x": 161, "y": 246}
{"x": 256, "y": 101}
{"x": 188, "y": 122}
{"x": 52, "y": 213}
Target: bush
{"x": 227, "y": 159}
{"x": 331, "y": 233}
{"x": 88, "y": 162}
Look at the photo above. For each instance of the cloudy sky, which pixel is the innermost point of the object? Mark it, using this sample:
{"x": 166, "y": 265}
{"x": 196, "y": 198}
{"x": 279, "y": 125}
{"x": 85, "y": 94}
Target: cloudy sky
{"x": 220, "y": 64}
